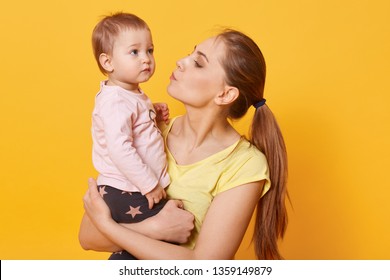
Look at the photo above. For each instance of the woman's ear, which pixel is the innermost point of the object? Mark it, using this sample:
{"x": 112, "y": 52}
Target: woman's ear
{"x": 105, "y": 62}
{"x": 228, "y": 96}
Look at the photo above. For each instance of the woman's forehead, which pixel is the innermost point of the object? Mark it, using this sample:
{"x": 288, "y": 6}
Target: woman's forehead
{"x": 211, "y": 48}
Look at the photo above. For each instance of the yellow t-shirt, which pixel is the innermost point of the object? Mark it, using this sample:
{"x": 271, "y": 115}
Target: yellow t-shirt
{"x": 198, "y": 183}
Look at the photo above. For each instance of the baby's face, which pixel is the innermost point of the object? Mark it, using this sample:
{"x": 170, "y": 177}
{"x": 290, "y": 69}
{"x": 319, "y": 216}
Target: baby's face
{"x": 132, "y": 58}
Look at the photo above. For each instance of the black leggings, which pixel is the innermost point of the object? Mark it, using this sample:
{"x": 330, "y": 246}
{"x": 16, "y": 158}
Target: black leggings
{"x": 127, "y": 207}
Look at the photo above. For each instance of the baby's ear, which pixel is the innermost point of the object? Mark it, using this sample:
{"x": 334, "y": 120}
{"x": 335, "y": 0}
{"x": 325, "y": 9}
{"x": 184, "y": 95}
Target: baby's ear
{"x": 228, "y": 96}
{"x": 105, "y": 62}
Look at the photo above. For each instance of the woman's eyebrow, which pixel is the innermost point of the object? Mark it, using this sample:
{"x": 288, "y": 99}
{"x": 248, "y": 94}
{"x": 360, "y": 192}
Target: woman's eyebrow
{"x": 201, "y": 54}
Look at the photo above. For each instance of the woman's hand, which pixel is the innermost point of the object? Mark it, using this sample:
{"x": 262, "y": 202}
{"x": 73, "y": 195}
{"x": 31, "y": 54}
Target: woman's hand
{"x": 172, "y": 223}
{"x": 95, "y": 207}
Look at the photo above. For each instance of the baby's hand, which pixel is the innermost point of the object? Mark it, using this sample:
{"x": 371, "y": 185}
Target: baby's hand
{"x": 162, "y": 112}
{"x": 155, "y": 195}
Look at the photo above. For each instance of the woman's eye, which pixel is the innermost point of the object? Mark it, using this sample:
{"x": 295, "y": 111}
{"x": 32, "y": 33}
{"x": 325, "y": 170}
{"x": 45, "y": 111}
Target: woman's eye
{"x": 197, "y": 64}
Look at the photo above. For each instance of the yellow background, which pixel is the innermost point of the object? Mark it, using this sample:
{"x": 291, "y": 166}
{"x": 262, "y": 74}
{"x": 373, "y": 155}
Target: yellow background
{"x": 328, "y": 85}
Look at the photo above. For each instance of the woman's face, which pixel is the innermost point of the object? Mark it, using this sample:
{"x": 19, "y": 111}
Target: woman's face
{"x": 199, "y": 77}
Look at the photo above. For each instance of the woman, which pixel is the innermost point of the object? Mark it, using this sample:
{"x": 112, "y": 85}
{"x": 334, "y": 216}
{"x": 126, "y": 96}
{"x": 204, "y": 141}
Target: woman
{"x": 216, "y": 174}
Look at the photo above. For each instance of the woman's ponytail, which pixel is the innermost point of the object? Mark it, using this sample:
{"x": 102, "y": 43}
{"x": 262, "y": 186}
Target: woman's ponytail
{"x": 271, "y": 221}
{"x": 245, "y": 69}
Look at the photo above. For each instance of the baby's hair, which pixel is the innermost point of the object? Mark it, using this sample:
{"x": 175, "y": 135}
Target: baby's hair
{"x": 107, "y": 30}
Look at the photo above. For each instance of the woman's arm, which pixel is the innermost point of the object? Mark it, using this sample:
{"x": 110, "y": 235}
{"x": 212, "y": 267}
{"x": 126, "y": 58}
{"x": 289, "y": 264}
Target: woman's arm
{"x": 91, "y": 238}
{"x": 227, "y": 221}
{"x": 221, "y": 234}
{"x": 171, "y": 224}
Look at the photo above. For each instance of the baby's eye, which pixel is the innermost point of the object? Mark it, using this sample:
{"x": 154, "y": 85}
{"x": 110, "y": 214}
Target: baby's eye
{"x": 151, "y": 51}
{"x": 134, "y": 52}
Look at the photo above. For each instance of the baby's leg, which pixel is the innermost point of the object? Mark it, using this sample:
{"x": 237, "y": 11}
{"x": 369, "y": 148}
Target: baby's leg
{"x": 127, "y": 207}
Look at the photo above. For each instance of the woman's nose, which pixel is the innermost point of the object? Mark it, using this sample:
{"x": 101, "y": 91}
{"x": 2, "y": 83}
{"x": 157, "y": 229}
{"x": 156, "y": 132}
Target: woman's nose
{"x": 180, "y": 64}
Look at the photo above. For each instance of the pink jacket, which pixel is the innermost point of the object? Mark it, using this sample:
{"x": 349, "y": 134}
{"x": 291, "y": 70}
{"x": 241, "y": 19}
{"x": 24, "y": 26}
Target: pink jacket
{"x": 128, "y": 149}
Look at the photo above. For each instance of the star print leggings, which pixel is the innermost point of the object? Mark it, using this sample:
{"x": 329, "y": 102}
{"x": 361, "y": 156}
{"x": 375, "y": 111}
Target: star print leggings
{"x": 127, "y": 207}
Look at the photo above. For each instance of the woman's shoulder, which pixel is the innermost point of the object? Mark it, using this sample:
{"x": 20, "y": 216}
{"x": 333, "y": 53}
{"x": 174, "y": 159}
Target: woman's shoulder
{"x": 245, "y": 164}
{"x": 245, "y": 157}
{"x": 246, "y": 149}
